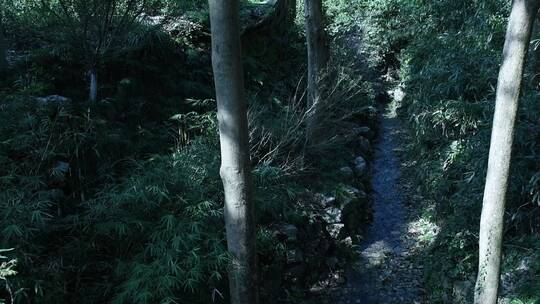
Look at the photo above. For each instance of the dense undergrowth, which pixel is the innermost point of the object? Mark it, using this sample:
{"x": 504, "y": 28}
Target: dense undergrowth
{"x": 120, "y": 201}
{"x": 446, "y": 56}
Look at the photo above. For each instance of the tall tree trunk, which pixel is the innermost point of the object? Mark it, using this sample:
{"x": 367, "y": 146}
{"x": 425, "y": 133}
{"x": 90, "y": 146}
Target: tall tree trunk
{"x": 235, "y": 160}
{"x": 318, "y": 56}
{"x": 508, "y": 92}
{"x": 92, "y": 96}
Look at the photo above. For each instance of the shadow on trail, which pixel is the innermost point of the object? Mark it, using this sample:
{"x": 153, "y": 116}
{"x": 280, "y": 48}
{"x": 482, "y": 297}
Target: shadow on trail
{"x": 386, "y": 272}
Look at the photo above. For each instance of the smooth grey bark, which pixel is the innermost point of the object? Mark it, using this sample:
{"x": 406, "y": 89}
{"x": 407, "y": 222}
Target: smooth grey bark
{"x": 516, "y": 45}
{"x": 92, "y": 95}
{"x": 234, "y": 141}
{"x": 318, "y": 57}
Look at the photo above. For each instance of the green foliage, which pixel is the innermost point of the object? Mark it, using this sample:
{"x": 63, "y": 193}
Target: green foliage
{"x": 7, "y": 269}
{"x": 165, "y": 222}
{"x": 62, "y": 189}
{"x": 132, "y": 229}
{"x": 121, "y": 201}
{"x": 92, "y": 27}
{"x": 343, "y": 17}
{"x": 449, "y": 53}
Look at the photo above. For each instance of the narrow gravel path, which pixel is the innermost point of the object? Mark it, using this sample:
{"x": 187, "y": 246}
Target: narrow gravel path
{"x": 386, "y": 272}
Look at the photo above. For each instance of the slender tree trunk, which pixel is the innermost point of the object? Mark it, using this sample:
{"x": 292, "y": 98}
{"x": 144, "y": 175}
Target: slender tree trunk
{"x": 235, "y": 160}
{"x": 508, "y": 92}
{"x": 93, "y": 85}
{"x": 318, "y": 56}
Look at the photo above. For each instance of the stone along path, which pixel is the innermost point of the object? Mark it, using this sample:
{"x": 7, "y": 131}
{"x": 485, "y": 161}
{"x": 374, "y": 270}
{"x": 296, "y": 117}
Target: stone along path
{"x": 386, "y": 272}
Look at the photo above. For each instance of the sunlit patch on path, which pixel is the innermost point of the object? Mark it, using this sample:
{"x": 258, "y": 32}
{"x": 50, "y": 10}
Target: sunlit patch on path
{"x": 388, "y": 271}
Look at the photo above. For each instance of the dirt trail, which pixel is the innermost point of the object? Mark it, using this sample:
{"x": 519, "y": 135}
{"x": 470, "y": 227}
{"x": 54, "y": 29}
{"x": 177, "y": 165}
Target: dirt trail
{"x": 387, "y": 271}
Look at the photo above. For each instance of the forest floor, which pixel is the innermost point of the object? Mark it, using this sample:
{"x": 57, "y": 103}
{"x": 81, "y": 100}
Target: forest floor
{"x": 390, "y": 266}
